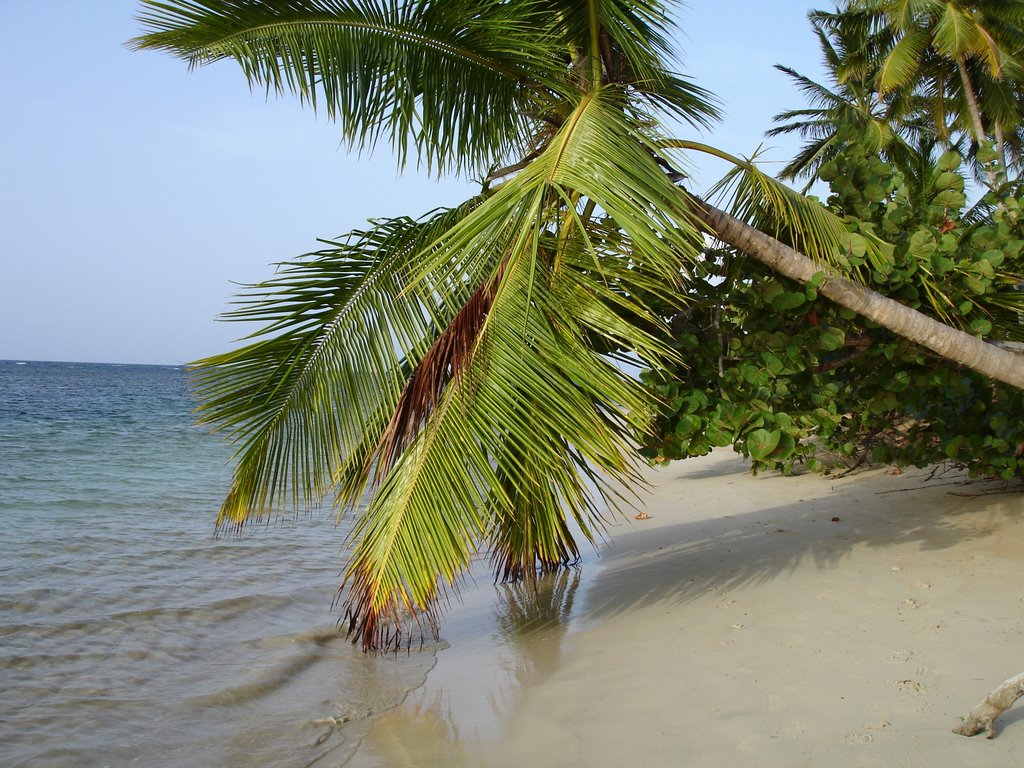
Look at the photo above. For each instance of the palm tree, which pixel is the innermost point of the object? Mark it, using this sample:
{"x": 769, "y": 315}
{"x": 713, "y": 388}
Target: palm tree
{"x": 850, "y": 111}
{"x": 1001, "y": 103}
{"x": 952, "y": 51}
{"x": 459, "y": 370}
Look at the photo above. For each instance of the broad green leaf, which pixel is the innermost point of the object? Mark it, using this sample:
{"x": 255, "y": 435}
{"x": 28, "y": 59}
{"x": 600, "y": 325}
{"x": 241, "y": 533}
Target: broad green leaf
{"x": 718, "y": 434}
{"x": 853, "y": 244}
{"x": 788, "y": 300}
{"x": 949, "y": 161}
{"x": 832, "y": 339}
{"x": 687, "y": 425}
{"x": 761, "y": 442}
{"x": 981, "y": 326}
{"x": 986, "y": 153}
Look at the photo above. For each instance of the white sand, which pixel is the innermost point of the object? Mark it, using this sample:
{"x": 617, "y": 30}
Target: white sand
{"x": 741, "y": 626}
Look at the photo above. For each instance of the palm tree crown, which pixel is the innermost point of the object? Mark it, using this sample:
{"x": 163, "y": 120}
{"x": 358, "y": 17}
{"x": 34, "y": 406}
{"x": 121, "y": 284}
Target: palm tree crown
{"x": 851, "y": 111}
{"x": 455, "y": 377}
{"x": 454, "y": 366}
{"x": 962, "y": 56}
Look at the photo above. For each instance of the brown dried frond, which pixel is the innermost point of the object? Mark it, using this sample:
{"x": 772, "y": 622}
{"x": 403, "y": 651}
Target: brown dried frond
{"x": 390, "y": 630}
{"x": 446, "y": 361}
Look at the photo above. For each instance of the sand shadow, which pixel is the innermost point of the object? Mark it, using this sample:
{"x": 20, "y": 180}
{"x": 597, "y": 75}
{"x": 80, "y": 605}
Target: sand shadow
{"x": 1010, "y": 719}
{"x": 676, "y": 563}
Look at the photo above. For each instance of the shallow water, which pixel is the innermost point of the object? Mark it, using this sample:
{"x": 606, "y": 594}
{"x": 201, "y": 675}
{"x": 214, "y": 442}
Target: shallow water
{"x": 128, "y": 633}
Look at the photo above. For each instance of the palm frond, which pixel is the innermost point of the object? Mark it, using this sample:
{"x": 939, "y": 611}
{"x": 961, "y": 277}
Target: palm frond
{"x": 774, "y": 208}
{"x": 955, "y": 35}
{"x": 325, "y": 369}
{"x": 452, "y": 79}
{"x": 903, "y": 60}
{"x": 792, "y": 218}
{"x": 641, "y": 31}
{"x": 809, "y": 159}
{"x": 818, "y": 95}
{"x": 904, "y": 14}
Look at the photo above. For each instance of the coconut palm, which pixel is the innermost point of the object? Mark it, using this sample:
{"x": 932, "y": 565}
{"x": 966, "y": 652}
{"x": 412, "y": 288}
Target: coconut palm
{"x": 953, "y": 52}
{"x": 850, "y": 111}
{"x": 1001, "y": 103}
{"x": 455, "y": 376}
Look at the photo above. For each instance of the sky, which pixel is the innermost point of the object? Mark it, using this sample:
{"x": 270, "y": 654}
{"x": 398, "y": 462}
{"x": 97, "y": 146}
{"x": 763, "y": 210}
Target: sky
{"x": 136, "y": 195}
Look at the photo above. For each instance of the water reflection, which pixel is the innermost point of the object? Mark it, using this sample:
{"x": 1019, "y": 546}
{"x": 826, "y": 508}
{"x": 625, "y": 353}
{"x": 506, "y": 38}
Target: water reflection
{"x": 534, "y": 619}
{"x": 501, "y": 640}
{"x": 421, "y": 732}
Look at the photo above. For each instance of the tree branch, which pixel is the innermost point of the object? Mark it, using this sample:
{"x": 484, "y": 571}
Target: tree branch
{"x": 983, "y": 717}
{"x": 858, "y": 347}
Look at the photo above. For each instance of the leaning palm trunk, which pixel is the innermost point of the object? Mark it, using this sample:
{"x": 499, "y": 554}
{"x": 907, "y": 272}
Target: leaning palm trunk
{"x": 971, "y": 97}
{"x": 948, "y": 342}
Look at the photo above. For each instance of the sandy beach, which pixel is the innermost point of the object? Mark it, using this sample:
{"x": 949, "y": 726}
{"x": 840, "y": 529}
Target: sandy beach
{"x": 750, "y": 621}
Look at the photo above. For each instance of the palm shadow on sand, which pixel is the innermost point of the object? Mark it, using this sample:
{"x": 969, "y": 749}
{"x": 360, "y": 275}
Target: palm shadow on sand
{"x": 676, "y": 563}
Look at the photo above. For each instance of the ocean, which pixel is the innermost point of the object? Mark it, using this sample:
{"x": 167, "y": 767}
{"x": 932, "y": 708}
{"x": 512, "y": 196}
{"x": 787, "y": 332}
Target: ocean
{"x": 129, "y": 633}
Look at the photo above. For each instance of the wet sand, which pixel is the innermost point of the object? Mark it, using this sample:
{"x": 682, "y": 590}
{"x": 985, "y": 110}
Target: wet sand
{"x": 750, "y": 621}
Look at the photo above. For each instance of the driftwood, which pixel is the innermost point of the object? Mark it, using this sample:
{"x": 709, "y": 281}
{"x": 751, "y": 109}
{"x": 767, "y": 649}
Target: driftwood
{"x": 983, "y": 717}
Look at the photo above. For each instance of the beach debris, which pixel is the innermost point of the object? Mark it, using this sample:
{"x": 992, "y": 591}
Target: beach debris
{"x": 332, "y": 724}
{"x": 983, "y": 716}
{"x": 641, "y": 516}
{"x": 835, "y": 519}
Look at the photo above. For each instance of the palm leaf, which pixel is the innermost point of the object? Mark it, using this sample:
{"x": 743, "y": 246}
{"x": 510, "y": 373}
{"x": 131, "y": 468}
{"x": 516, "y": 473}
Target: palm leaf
{"x": 905, "y": 14}
{"x": 453, "y": 79}
{"x": 955, "y": 34}
{"x": 774, "y": 208}
{"x": 902, "y": 63}
{"x": 326, "y": 367}
{"x": 817, "y": 94}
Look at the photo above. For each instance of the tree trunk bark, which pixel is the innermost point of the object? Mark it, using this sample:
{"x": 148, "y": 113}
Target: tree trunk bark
{"x": 972, "y": 100}
{"x": 948, "y": 342}
{"x": 975, "y": 111}
{"x": 1001, "y": 150}
{"x": 983, "y": 717}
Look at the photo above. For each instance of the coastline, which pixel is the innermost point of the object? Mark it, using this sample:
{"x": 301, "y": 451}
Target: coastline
{"x": 750, "y": 621}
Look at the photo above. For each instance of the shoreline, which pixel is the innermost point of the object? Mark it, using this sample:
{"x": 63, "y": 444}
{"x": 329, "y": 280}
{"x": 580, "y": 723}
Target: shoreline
{"x": 750, "y": 621}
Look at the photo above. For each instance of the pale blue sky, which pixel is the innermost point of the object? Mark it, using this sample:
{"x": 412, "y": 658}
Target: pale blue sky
{"x": 135, "y": 193}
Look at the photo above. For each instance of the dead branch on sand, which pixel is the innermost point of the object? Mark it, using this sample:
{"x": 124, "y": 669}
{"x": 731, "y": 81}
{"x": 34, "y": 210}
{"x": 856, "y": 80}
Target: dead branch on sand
{"x": 983, "y": 717}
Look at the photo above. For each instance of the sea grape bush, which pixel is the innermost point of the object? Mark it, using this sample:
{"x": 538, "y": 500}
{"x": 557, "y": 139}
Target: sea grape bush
{"x": 785, "y": 376}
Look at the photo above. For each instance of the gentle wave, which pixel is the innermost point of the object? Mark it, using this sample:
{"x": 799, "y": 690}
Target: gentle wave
{"x": 128, "y": 632}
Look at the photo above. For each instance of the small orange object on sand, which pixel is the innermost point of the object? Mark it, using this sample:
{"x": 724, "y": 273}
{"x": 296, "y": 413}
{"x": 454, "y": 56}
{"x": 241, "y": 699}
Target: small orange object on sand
{"x": 642, "y": 516}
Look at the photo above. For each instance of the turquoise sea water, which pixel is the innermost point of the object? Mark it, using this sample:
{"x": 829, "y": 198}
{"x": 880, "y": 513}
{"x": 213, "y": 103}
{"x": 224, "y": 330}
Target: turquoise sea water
{"x": 128, "y": 633}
